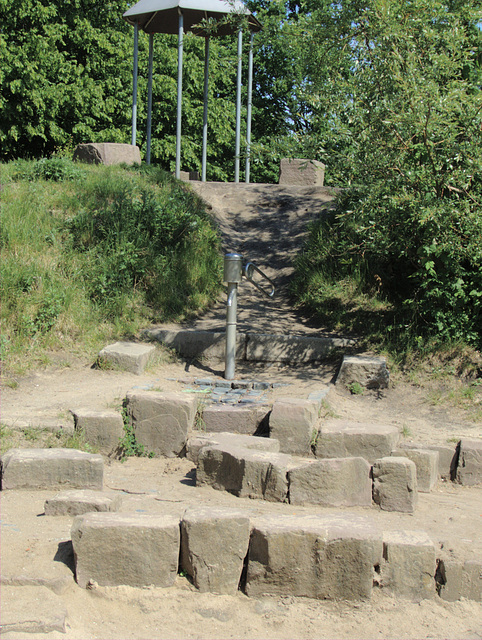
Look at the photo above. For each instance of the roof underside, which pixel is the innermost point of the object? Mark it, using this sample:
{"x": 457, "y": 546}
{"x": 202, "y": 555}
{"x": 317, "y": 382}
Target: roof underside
{"x": 162, "y": 16}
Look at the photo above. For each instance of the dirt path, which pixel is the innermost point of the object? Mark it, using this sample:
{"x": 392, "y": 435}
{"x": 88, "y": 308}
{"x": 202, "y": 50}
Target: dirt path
{"x": 34, "y": 548}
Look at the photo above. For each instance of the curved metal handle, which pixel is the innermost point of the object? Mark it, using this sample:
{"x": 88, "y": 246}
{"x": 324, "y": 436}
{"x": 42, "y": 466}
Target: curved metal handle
{"x": 248, "y": 272}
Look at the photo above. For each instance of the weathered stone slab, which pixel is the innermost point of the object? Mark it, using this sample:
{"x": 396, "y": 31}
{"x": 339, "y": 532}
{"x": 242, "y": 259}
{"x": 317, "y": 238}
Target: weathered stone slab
{"x": 469, "y": 466}
{"x": 51, "y": 469}
{"x": 245, "y": 473}
{"x": 128, "y": 356}
{"x": 101, "y": 429}
{"x": 75, "y": 503}
{"x": 214, "y": 543}
{"x": 342, "y": 439}
{"x": 199, "y": 440}
{"x": 234, "y": 419}
{"x": 31, "y": 609}
{"x": 447, "y": 457}
{"x": 313, "y": 556}
{"x": 334, "y": 482}
{"x": 458, "y": 578}
{"x": 300, "y": 172}
{"x": 409, "y": 567}
{"x": 293, "y": 422}
{"x": 395, "y": 484}
{"x": 186, "y": 176}
{"x": 135, "y": 549}
{"x": 107, "y": 153}
{"x": 287, "y": 348}
{"x": 426, "y": 463}
{"x": 369, "y": 372}
{"x": 198, "y": 344}
{"x": 162, "y": 421}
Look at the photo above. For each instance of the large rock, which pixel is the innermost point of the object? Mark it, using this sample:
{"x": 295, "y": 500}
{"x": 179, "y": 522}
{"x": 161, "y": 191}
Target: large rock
{"x": 197, "y": 344}
{"x": 214, "y": 543}
{"x": 127, "y": 356}
{"x": 75, "y": 503}
{"x": 300, "y": 172}
{"x": 51, "y": 469}
{"x": 245, "y": 473}
{"x": 162, "y": 421}
{"x": 270, "y": 347}
{"x": 31, "y": 610}
{"x": 102, "y": 429}
{"x": 458, "y": 578}
{"x": 342, "y": 439}
{"x": 447, "y": 460}
{"x": 469, "y": 467}
{"x": 313, "y": 556}
{"x": 409, "y": 567}
{"x": 107, "y": 153}
{"x": 426, "y": 463}
{"x": 335, "y": 482}
{"x": 199, "y": 440}
{"x": 135, "y": 549}
{"x": 234, "y": 419}
{"x": 370, "y": 372}
{"x": 293, "y": 421}
{"x": 395, "y": 484}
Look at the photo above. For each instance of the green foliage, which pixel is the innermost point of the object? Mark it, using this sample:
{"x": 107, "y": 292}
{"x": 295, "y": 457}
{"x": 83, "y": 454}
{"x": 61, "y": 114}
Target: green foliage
{"x": 128, "y": 445}
{"x": 409, "y": 229}
{"x": 356, "y": 389}
{"x": 97, "y": 256}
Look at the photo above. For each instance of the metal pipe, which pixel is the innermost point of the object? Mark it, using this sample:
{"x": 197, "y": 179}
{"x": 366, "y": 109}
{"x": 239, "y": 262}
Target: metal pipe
{"x": 238, "y": 108}
{"x": 231, "y": 310}
{"x": 134, "y": 84}
{"x": 250, "y": 105}
{"x": 149, "y": 99}
{"x": 180, "y": 47}
{"x": 205, "y": 113}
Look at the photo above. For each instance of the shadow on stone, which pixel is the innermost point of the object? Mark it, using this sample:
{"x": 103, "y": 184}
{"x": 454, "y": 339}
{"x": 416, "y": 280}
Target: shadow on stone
{"x": 65, "y": 554}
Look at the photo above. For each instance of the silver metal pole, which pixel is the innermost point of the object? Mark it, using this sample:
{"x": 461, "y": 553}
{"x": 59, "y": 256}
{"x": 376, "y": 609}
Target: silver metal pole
{"x": 250, "y": 105}
{"x": 180, "y": 46}
{"x": 238, "y": 108}
{"x": 134, "y": 84}
{"x": 149, "y": 99}
{"x": 205, "y": 113}
{"x": 231, "y": 311}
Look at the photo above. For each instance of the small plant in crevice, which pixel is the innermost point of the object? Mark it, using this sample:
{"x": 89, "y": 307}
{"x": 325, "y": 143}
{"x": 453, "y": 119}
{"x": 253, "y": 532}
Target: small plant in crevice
{"x": 128, "y": 445}
{"x": 314, "y": 439}
{"x": 199, "y": 424}
{"x": 356, "y": 389}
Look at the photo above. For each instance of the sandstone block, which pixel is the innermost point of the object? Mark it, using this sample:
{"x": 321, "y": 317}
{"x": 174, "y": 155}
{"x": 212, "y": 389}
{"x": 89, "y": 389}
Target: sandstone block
{"x": 245, "y": 473}
{"x": 334, "y": 482}
{"x": 101, "y": 429}
{"x": 38, "y": 611}
{"x": 395, "y": 484}
{"x": 281, "y": 348}
{"x": 313, "y": 556}
{"x": 75, "y": 503}
{"x": 469, "y": 467}
{"x": 107, "y": 153}
{"x": 409, "y": 567}
{"x": 426, "y": 463}
{"x": 232, "y": 419}
{"x": 214, "y": 543}
{"x": 135, "y": 549}
{"x": 341, "y": 439}
{"x": 447, "y": 457}
{"x": 301, "y": 172}
{"x": 162, "y": 421}
{"x": 459, "y": 578}
{"x": 189, "y": 175}
{"x": 292, "y": 422}
{"x": 128, "y": 356}
{"x": 199, "y": 440}
{"x": 370, "y": 372}
{"x": 51, "y": 469}
{"x": 197, "y": 344}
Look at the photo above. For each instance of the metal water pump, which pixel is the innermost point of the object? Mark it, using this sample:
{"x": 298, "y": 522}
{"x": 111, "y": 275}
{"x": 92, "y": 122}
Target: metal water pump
{"x": 234, "y": 270}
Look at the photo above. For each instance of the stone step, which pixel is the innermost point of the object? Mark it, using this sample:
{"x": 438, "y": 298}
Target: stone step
{"x": 51, "y": 469}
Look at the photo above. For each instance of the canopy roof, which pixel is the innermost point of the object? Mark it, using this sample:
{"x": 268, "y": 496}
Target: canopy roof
{"x": 162, "y": 16}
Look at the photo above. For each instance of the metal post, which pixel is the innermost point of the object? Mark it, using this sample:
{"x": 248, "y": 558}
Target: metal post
{"x": 250, "y": 105}
{"x": 180, "y": 46}
{"x": 149, "y": 99}
{"x": 232, "y": 275}
{"x": 205, "y": 113}
{"x": 238, "y": 108}
{"x": 134, "y": 84}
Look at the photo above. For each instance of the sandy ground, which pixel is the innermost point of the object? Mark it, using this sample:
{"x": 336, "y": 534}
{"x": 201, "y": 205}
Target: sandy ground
{"x": 39, "y": 596}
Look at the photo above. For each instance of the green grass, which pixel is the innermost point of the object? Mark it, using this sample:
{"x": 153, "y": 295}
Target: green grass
{"x": 41, "y": 438}
{"x": 92, "y": 254}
